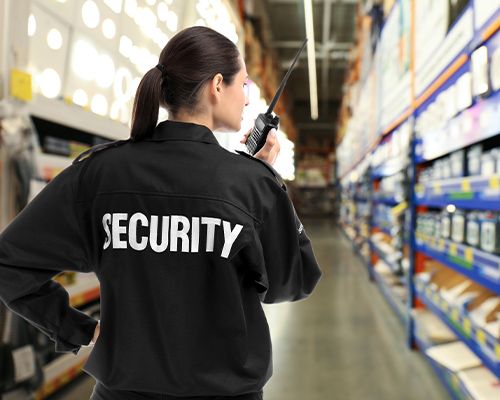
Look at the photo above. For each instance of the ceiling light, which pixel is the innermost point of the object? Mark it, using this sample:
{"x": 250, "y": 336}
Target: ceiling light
{"x": 108, "y": 28}
{"x": 172, "y": 21}
{"x": 115, "y": 5}
{"x": 80, "y": 97}
{"x": 106, "y": 68}
{"x": 31, "y": 25}
{"x": 99, "y": 105}
{"x": 125, "y": 46}
{"x": 84, "y": 60}
{"x": 50, "y": 83}
{"x": 54, "y": 39}
{"x": 90, "y": 14}
{"x": 130, "y": 7}
{"x": 122, "y": 87}
{"x": 162, "y": 11}
{"x": 311, "y": 59}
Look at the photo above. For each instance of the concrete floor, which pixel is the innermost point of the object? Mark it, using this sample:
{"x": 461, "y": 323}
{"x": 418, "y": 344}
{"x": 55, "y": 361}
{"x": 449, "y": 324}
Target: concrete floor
{"x": 343, "y": 343}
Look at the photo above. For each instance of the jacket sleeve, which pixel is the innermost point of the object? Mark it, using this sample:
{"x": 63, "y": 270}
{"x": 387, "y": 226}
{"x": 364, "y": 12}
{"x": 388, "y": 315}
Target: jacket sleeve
{"x": 43, "y": 240}
{"x": 289, "y": 269}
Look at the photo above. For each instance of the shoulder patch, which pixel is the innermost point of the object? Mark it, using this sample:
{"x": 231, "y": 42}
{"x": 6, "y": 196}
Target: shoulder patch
{"x": 94, "y": 149}
{"x": 278, "y": 177}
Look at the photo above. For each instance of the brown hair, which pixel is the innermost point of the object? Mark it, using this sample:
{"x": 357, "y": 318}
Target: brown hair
{"x": 190, "y": 59}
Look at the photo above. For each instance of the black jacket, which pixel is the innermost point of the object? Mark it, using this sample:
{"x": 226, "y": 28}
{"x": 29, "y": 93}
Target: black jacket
{"x": 186, "y": 239}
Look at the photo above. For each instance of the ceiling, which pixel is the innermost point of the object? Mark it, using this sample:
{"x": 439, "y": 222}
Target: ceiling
{"x": 334, "y": 28}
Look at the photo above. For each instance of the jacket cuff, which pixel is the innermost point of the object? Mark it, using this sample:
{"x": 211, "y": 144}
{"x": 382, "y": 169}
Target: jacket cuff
{"x": 76, "y": 329}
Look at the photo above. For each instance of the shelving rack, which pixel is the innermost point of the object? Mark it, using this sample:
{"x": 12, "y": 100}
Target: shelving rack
{"x": 418, "y": 98}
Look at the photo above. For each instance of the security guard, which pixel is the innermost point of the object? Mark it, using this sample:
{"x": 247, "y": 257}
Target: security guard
{"x": 186, "y": 238}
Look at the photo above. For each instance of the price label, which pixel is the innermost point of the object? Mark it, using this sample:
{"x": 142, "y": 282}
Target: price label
{"x": 444, "y": 306}
{"x": 435, "y": 298}
{"x": 467, "y": 326}
{"x": 465, "y": 185}
{"x": 437, "y": 188}
{"x": 495, "y": 182}
{"x": 453, "y": 249}
{"x": 419, "y": 189}
{"x": 497, "y": 351}
{"x": 428, "y": 292}
{"x": 481, "y": 337}
{"x": 442, "y": 244}
{"x": 469, "y": 255}
{"x": 455, "y": 315}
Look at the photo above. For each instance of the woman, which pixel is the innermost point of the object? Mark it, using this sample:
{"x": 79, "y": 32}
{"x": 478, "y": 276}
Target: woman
{"x": 187, "y": 239}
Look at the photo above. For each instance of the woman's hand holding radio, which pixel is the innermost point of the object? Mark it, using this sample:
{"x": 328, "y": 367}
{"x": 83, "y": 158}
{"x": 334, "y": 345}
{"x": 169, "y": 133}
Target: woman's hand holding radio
{"x": 270, "y": 150}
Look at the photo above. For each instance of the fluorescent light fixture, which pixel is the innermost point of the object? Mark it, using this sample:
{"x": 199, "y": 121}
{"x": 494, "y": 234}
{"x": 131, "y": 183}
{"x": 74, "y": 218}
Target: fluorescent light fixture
{"x": 311, "y": 59}
{"x": 31, "y": 25}
{"x": 54, "y": 39}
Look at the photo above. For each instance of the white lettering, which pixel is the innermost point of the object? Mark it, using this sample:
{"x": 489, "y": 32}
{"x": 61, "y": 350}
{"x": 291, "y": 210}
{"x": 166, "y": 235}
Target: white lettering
{"x": 195, "y": 234}
{"x": 132, "y": 231}
{"x": 229, "y": 237}
{"x": 166, "y": 231}
{"x": 175, "y": 233}
{"x": 153, "y": 234}
{"x": 106, "y": 220}
{"x": 210, "y": 223}
{"x": 119, "y": 230}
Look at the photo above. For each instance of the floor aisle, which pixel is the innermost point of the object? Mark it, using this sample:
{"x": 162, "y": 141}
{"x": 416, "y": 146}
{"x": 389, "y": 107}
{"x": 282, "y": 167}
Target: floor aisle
{"x": 343, "y": 343}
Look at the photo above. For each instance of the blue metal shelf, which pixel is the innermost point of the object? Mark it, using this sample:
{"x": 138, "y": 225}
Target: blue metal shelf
{"x": 390, "y": 201}
{"x": 467, "y": 334}
{"x": 471, "y": 193}
{"x": 397, "y": 305}
{"x": 383, "y": 256}
{"x": 386, "y": 230}
{"x": 477, "y": 265}
{"x": 445, "y": 377}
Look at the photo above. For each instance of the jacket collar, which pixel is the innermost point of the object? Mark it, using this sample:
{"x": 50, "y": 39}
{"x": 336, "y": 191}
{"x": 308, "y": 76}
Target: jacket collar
{"x": 185, "y": 131}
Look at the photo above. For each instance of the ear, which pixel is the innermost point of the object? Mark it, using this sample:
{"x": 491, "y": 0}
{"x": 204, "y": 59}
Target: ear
{"x": 216, "y": 85}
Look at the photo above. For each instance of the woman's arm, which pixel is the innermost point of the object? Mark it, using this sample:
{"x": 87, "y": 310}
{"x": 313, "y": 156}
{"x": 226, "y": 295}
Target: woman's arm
{"x": 43, "y": 240}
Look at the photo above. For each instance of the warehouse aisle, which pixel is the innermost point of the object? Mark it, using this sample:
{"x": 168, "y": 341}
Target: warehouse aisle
{"x": 343, "y": 343}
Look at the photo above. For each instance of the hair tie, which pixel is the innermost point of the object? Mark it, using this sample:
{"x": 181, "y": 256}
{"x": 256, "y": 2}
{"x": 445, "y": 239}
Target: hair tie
{"x": 162, "y": 68}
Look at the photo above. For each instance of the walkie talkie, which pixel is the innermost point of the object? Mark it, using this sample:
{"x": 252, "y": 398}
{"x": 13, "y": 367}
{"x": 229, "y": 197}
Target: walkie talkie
{"x": 265, "y": 122}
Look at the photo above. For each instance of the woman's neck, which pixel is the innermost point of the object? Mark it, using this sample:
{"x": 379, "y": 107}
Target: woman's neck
{"x": 200, "y": 119}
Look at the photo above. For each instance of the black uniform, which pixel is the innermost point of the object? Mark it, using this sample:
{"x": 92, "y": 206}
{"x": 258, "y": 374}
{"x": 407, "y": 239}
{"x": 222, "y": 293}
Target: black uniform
{"x": 186, "y": 239}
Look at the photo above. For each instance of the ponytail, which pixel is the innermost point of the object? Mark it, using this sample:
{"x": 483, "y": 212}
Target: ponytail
{"x": 146, "y": 105}
{"x": 193, "y": 57}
